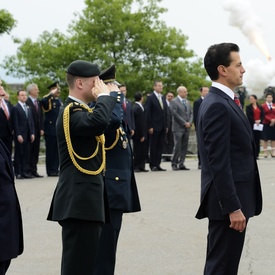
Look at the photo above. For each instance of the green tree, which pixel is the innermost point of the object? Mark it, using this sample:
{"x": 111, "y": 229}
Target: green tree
{"x": 128, "y": 33}
{"x": 7, "y": 23}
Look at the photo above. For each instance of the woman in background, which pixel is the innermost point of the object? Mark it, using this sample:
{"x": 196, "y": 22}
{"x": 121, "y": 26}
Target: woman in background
{"x": 255, "y": 115}
{"x": 269, "y": 122}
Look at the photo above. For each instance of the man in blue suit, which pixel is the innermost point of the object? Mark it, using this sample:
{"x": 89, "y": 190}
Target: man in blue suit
{"x": 156, "y": 119}
{"x": 22, "y": 121}
{"x": 230, "y": 183}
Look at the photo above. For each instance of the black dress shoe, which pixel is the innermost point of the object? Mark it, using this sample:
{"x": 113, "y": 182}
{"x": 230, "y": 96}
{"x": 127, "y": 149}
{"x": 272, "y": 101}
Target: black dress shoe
{"x": 154, "y": 169}
{"x": 183, "y": 168}
{"x": 175, "y": 167}
{"x": 161, "y": 169}
{"x": 144, "y": 170}
{"x": 53, "y": 175}
{"x": 137, "y": 170}
{"x": 27, "y": 176}
{"x": 19, "y": 177}
{"x": 37, "y": 175}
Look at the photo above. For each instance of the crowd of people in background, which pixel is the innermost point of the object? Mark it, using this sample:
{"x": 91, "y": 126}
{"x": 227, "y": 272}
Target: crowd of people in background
{"x": 158, "y": 126}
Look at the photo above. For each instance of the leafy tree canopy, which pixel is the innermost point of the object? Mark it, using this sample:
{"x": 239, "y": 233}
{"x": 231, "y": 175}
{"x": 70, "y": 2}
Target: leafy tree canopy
{"x": 7, "y": 23}
{"x": 128, "y": 33}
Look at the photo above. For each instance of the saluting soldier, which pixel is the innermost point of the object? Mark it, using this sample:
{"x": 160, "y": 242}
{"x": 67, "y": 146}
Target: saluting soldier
{"x": 51, "y": 104}
{"x": 78, "y": 201}
{"x": 120, "y": 181}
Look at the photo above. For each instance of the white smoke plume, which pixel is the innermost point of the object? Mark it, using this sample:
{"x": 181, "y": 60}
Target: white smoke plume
{"x": 243, "y": 17}
{"x": 258, "y": 74}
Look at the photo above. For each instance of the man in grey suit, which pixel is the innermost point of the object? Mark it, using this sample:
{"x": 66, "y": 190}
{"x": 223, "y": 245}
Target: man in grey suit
{"x": 182, "y": 117}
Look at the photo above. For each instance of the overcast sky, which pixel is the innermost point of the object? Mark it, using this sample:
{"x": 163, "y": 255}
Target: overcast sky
{"x": 204, "y": 22}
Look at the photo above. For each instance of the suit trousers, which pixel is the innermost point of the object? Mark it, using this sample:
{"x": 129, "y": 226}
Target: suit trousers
{"x": 139, "y": 154}
{"x": 4, "y": 267}
{"x": 106, "y": 256}
{"x": 34, "y": 154}
{"x": 21, "y": 157}
{"x": 180, "y": 147}
{"x": 157, "y": 142}
{"x": 224, "y": 249}
{"x": 80, "y": 239}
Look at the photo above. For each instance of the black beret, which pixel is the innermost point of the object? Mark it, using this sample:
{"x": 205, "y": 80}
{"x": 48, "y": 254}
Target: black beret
{"x": 55, "y": 84}
{"x": 83, "y": 68}
{"x": 109, "y": 75}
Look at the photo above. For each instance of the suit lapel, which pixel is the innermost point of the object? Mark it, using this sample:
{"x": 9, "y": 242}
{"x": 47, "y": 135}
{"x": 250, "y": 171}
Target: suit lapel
{"x": 236, "y": 108}
{"x": 4, "y": 153}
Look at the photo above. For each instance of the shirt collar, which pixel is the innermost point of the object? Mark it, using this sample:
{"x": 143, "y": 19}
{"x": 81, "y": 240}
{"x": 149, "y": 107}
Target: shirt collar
{"x": 225, "y": 89}
{"x": 78, "y": 100}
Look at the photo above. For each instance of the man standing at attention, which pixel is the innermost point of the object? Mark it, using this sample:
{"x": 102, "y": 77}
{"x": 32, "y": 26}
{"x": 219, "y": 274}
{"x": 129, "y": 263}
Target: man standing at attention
{"x": 156, "y": 116}
{"x": 51, "y": 104}
{"x": 196, "y": 106}
{"x": 37, "y": 115}
{"x": 182, "y": 117}
{"x": 230, "y": 183}
{"x": 169, "y": 139}
{"x": 78, "y": 202}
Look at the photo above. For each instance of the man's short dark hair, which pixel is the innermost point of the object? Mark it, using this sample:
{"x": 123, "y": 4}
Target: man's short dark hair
{"x": 138, "y": 96}
{"x": 216, "y": 55}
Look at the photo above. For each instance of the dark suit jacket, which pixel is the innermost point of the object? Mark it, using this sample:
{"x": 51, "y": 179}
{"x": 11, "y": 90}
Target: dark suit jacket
{"x": 22, "y": 125}
{"x": 128, "y": 115}
{"x": 37, "y": 116}
{"x": 6, "y": 124}
{"x": 250, "y": 114}
{"x": 229, "y": 176}
{"x": 77, "y": 194}
{"x": 156, "y": 117}
{"x": 119, "y": 176}
{"x": 140, "y": 123}
{"x": 11, "y": 237}
{"x": 196, "y": 107}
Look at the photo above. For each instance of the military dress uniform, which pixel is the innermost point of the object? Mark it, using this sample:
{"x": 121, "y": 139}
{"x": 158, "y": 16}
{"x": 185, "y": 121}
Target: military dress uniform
{"x": 120, "y": 183}
{"x": 51, "y": 106}
{"x": 78, "y": 203}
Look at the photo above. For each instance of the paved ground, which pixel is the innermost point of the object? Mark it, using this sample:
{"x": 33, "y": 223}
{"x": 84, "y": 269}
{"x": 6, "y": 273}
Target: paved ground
{"x": 164, "y": 238}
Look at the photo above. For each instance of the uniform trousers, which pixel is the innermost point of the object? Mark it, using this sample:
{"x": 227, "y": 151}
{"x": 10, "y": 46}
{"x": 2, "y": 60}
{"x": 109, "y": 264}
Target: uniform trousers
{"x": 106, "y": 256}
{"x": 80, "y": 240}
{"x": 224, "y": 249}
{"x": 52, "y": 158}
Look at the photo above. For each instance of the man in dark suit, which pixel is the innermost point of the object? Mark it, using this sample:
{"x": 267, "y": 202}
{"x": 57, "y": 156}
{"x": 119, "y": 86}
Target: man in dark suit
{"x": 230, "y": 183}
{"x": 22, "y": 122}
{"x": 78, "y": 202}
{"x": 196, "y": 106}
{"x": 128, "y": 114}
{"x": 156, "y": 118}
{"x": 169, "y": 139}
{"x": 6, "y": 132}
{"x": 37, "y": 114}
{"x": 51, "y": 104}
{"x": 140, "y": 135}
{"x": 11, "y": 237}
{"x": 182, "y": 118}
{"x": 120, "y": 182}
